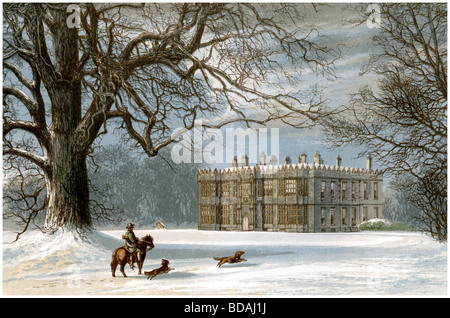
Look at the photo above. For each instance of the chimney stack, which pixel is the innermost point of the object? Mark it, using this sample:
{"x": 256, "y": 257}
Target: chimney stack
{"x": 273, "y": 160}
{"x": 235, "y": 163}
{"x": 302, "y": 158}
{"x": 369, "y": 162}
{"x": 262, "y": 159}
{"x": 244, "y": 161}
{"x": 338, "y": 161}
{"x": 287, "y": 160}
{"x": 317, "y": 158}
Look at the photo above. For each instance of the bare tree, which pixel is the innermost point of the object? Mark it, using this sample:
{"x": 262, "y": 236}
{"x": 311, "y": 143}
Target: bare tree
{"x": 403, "y": 121}
{"x": 428, "y": 193}
{"x": 149, "y": 69}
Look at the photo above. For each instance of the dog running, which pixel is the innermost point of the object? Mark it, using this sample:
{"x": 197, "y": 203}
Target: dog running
{"x": 160, "y": 270}
{"x": 230, "y": 259}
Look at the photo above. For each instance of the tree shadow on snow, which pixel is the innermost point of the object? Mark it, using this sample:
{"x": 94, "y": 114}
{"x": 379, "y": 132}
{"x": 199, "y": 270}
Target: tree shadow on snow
{"x": 171, "y": 275}
{"x": 239, "y": 265}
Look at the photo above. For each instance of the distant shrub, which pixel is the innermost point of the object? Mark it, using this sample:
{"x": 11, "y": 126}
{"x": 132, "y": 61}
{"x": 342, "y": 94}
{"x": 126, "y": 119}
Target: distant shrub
{"x": 381, "y": 226}
{"x": 372, "y": 226}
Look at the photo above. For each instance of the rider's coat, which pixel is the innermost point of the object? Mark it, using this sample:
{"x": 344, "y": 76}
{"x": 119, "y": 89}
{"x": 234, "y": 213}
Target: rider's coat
{"x": 130, "y": 241}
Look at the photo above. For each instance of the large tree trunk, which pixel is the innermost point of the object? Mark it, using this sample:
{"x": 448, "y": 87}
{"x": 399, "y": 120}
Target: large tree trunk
{"x": 67, "y": 188}
{"x": 67, "y": 180}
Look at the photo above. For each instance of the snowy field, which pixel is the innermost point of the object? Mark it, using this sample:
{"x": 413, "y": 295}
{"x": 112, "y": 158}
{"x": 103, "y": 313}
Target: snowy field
{"x": 279, "y": 264}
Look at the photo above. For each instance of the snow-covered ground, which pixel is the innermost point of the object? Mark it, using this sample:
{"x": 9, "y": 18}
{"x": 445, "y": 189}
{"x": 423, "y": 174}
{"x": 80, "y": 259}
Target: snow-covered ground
{"x": 278, "y": 264}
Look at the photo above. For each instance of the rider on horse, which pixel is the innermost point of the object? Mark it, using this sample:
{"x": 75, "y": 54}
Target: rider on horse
{"x": 131, "y": 243}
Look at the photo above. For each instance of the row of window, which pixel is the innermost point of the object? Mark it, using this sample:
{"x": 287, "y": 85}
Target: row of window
{"x": 345, "y": 192}
{"x": 208, "y": 189}
{"x": 288, "y": 214}
{"x": 289, "y": 187}
{"x": 208, "y": 215}
{"x": 286, "y": 187}
{"x": 344, "y": 210}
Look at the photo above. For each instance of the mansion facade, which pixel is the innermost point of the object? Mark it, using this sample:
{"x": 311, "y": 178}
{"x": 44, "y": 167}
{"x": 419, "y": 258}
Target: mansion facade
{"x": 301, "y": 197}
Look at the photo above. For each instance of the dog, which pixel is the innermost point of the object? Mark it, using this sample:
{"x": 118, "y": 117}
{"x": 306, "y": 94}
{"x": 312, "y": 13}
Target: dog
{"x": 160, "y": 270}
{"x": 230, "y": 259}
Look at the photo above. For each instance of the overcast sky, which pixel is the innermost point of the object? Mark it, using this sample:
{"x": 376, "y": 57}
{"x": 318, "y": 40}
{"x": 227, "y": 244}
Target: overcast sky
{"x": 336, "y": 28}
{"x": 335, "y": 24}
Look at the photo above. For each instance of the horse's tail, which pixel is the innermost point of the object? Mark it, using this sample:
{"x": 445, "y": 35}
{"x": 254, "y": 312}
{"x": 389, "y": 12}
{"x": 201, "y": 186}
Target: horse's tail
{"x": 114, "y": 262}
{"x": 114, "y": 253}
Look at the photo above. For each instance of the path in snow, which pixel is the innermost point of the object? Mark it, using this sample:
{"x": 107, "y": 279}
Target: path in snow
{"x": 279, "y": 264}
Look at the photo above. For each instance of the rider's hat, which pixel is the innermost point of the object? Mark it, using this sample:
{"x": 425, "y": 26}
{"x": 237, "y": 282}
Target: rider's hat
{"x": 130, "y": 225}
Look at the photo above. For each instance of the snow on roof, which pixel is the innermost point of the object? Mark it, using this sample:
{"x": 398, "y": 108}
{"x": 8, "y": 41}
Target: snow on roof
{"x": 272, "y": 168}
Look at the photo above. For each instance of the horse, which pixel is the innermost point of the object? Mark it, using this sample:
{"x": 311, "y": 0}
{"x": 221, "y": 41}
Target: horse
{"x": 121, "y": 256}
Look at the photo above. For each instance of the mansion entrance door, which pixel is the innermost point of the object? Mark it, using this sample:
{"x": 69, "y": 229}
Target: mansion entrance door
{"x": 245, "y": 223}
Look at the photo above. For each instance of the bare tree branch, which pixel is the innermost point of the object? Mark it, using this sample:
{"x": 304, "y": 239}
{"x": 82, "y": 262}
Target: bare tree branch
{"x": 40, "y": 161}
{"x": 403, "y": 121}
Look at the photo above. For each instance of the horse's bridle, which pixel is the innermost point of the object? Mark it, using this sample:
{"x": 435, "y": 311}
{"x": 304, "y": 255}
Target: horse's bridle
{"x": 148, "y": 247}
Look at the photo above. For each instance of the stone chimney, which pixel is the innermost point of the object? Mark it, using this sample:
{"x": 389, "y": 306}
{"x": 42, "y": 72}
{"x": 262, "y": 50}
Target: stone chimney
{"x": 369, "y": 162}
{"x": 235, "y": 163}
{"x": 244, "y": 161}
{"x": 317, "y": 158}
{"x": 273, "y": 160}
{"x": 287, "y": 160}
{"x": 338, "y": 161}
{"x": 302, "y": 158}
{"x": 262, "y": 159}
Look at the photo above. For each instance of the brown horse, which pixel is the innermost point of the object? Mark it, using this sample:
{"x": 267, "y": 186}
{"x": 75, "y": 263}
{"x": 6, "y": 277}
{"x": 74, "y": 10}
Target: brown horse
{"x": 121, "y": 256}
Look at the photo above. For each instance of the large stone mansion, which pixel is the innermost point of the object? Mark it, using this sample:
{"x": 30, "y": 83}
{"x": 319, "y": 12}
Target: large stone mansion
{"x": 299, "y": 197}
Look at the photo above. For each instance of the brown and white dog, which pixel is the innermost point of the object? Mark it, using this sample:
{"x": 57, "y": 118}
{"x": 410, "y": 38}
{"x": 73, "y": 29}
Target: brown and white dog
{"x": 160, "y": 270}
{"x": 230, "y": 259}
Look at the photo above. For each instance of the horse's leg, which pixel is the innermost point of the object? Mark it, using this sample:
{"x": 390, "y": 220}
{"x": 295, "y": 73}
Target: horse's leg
{"x": 141, "y": 262}
{"x": 122, "y": 267}
{"x": 140, "y": 267}
{"x": 114, "y": 264}
{"x": 131, "y": 261}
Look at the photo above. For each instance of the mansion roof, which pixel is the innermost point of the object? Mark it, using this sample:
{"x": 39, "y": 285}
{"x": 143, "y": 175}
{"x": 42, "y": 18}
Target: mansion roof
{"x": 283, "y": 167}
